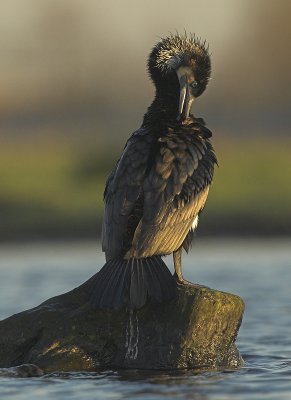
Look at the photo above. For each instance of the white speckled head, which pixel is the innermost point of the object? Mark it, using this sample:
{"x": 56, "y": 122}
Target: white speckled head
{"x": 176, "y": 50}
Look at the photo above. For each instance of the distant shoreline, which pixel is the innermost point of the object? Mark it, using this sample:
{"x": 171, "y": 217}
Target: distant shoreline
{"x": 211, "y": 233}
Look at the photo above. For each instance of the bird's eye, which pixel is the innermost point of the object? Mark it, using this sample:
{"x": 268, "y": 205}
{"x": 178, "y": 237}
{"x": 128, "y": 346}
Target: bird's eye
{"x": 194, "y": 84}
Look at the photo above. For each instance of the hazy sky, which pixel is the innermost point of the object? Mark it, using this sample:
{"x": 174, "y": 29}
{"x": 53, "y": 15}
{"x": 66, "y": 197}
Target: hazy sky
{"x": 49, "y": 43}
{"x": 59, "y": 52}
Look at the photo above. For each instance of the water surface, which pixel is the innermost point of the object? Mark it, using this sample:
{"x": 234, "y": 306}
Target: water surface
{"x": 258, "y": 271}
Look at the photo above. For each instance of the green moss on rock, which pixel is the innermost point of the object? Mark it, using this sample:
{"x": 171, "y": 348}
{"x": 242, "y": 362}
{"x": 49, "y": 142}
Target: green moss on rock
{"x": 196, "y": 330}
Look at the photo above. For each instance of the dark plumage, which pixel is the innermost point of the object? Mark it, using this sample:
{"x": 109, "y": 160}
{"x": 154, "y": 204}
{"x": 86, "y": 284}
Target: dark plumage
{"x": 159, "y": 186}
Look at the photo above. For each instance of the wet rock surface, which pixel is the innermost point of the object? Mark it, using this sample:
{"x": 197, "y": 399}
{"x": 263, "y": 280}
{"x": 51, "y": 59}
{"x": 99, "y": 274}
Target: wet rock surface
{"x": 21, "y": 371}
{"x": 196, "y": 330}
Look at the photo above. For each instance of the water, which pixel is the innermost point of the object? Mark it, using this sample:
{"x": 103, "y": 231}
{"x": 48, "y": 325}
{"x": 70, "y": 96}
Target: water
{"x": 258, "y": 271}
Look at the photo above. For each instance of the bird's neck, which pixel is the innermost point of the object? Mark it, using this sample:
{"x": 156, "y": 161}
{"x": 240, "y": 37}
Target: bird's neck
{"x": 162, "y": 111}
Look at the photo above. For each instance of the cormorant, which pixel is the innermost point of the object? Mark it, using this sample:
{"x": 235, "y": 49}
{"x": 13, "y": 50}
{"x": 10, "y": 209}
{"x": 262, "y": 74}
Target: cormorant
{"x": 158, "y": 188}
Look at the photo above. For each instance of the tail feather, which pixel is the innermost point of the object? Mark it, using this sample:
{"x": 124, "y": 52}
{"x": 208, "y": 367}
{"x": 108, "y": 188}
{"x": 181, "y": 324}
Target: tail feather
{"x": 122, "y": 287}
{"x": 155, "y": 287}
{"x": 103, "y": 278}
{"x": 164, "y": 288}
{"x": 131, "y": 283}
{"x": 137, "y": 289}
{"x": 110, "y": 285}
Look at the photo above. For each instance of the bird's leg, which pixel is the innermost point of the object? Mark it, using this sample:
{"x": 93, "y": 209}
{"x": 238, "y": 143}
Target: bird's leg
{"x": 177, "y": 256}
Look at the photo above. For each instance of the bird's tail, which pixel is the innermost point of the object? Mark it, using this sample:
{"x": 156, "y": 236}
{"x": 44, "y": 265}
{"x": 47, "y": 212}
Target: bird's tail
{"x": 131, "y": 283}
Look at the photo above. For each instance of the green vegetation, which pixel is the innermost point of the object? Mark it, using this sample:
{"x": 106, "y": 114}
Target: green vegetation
{"x": 253, "y": 177}
{"x": 51, "y": 189}
{"x": 42, "y": 190}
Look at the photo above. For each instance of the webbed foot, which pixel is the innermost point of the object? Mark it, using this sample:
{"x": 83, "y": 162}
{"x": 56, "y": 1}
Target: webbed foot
{"x": 181, "y": 281}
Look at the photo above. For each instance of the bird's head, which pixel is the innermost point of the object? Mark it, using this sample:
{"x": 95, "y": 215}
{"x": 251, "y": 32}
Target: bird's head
{"x": 180, "y": 69}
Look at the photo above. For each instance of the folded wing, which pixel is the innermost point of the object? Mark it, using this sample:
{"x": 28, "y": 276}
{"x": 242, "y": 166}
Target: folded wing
{"x": 175, "y": 191}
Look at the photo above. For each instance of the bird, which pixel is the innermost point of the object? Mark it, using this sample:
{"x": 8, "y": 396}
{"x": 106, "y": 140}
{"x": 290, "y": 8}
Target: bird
{"x": 158, "y": 188}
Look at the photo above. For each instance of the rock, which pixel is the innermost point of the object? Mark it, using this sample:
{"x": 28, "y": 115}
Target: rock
{"x": 21, "y": 371}
{"x": 196, "y": 330}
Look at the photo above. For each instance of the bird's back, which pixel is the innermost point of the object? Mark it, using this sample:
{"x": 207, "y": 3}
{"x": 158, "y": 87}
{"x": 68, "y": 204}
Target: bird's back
{"x": 157, "y": 189}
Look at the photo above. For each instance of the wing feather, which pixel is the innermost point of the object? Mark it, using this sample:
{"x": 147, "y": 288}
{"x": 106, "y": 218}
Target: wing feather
{"x": 156, "y": 191}
{"x": 175, "y": 191}
{"x": 123, "y": 194}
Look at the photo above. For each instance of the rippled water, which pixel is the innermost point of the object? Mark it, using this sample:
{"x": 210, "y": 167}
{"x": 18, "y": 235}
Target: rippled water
{"x": 258, "y": 271}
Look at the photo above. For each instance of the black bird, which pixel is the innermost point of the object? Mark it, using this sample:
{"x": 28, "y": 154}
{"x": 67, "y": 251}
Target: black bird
{"x": 158, "y": 188}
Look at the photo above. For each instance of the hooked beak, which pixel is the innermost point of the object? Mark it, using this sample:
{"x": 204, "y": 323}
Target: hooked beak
{"x": 186, "y": 97}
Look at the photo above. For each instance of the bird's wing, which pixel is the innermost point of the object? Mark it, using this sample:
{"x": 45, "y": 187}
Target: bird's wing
{"x": 123, "y": 195}
{"x": 175, "y": 192}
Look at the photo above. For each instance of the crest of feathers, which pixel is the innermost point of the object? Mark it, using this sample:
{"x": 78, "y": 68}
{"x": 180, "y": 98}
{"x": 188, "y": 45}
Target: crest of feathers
{"x": 176, "y": 50}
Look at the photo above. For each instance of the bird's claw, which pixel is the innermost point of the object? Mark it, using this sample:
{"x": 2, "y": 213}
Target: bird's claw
{"x": 182, "y": 281}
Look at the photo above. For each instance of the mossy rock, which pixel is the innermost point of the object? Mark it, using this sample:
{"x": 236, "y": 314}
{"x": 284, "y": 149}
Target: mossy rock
{"x": 197, "y": 329}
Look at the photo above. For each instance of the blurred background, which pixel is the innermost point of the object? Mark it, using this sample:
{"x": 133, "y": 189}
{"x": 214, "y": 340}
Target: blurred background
{"x": 74, "y": 86}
